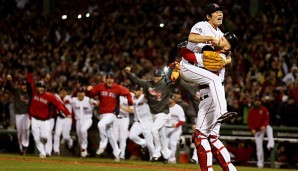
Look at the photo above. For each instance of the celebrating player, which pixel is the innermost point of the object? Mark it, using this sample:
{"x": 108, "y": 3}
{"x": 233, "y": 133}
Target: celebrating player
{"x": 108, "y": 94}
{"x": 63, "y": 124}
{"x": 39, "y": 110}
{"x": 143, "y": 122}
{"x": 157, "y": 93}
{"x": 21, "y": 108}
{"x": 83, "y": 108}
{"x": 173, "y": 127}
{"x": 207, "y": 33}
{"x": 121, "y": 124}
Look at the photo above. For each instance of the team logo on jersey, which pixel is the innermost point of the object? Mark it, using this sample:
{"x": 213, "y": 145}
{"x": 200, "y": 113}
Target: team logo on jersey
{"x": 199, "y": 30}
{"x": 156, "y": 94}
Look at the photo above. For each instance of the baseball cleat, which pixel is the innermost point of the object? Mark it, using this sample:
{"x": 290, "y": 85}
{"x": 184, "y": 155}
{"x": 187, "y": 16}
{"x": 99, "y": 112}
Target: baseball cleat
{"x": 181, "y": 44}
{"x": 193, "y": 161}
{"x": 117, "y": 155}
{"x": 226, "y": 116}
{"x": 42, "y": 156}
{"x": 84, "y": 153}
{"x": 154, "y": 159}
{"x": 100, "y": 151}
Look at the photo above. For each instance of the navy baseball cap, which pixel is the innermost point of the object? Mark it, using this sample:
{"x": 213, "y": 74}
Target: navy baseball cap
{"x": 137, "y": 87}
{"x": 211, "y": 8}
{"x": 41, "y": 84}
{"x": 81, "y": 89}
{"x": 110, "y": 75}
{"x": 157, "y": 73}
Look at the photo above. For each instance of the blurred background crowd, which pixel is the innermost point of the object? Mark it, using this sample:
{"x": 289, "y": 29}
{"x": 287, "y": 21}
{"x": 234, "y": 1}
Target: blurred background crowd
{"x": 114, "y": 35}
{"x": 110, "y": 35}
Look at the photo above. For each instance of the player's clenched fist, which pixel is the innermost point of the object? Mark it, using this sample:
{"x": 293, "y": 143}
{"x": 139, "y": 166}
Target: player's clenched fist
{"x": 127, "y": 69}
{"x": 89, "y": 88}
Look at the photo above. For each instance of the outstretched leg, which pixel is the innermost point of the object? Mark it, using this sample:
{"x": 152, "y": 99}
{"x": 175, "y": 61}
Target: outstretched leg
{"x": 203, "y": 150}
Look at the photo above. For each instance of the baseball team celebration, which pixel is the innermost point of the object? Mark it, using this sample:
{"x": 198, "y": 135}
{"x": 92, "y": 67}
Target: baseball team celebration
{"x": 149, "y": 84}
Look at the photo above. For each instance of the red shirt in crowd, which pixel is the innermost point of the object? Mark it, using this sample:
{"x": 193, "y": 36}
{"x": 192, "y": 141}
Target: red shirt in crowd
{"x": 258, "y": 117}
{"x": 109, "y": 97}
{"x": 41, "y": 104}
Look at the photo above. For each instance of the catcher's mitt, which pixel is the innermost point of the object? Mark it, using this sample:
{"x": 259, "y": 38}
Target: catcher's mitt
{"x": 213, "y": 61}
{"x": 173, "y": 72}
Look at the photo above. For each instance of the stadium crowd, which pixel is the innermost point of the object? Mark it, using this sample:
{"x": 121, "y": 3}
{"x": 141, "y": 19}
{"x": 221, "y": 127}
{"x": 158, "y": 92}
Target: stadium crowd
{"x": 131, "y": 33}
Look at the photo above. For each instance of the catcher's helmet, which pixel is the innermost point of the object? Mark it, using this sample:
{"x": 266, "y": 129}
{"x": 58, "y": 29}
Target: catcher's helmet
{"x": 232, "y": 39}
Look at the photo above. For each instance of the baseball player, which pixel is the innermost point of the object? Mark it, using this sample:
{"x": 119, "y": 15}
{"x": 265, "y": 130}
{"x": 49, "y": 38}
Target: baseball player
{"x": 258, "y": 123}
{"x": 39, "y": 110}
{"x": 207, "y": 33}
{"x": 108, "y": 94}
{"x": 173, "y": 127}
{"x": 207, "y": 129}
{"x": 157, "y": 93}
{"x": 63, "y": 124}
{"x": 83, "y": 110}
{"x": 121, "y": 124}
{"x": 21, "y": 108}
{"x": 142, "y": 122}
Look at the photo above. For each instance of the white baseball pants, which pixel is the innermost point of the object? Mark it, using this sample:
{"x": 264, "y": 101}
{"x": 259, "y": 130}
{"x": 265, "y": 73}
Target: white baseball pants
{"x": 23, "y": 132}
{"x": 200, "y": 76}
{"x": 106, "y": 133}
{"x": 259, "y": 138}
{"x": 63, "y": 126}
{"x": 82, "y": 126}
{"x": 40, "y": 130}
{"x": 159, "y": 136}
{"x": 172, "y": 139}
{"x": 120, "y": 128}
{"x": 49, "y": 144}
{"x": 136, "y": 130}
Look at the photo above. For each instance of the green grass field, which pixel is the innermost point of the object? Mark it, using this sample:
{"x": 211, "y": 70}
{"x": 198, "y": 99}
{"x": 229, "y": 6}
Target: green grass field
{"x": 10, "y": 162}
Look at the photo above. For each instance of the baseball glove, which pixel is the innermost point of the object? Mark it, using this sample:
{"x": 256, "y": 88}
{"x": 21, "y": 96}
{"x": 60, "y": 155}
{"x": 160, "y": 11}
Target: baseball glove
{"x": 213, "y": 61}
{"x": 173, "y": 72}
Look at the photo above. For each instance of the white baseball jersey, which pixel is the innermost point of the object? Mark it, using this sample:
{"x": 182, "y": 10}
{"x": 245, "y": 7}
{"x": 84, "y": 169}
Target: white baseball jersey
{"x": 66, "y": 98}
{"x": 205, "y": 29}
{"x": 123, "y": 102}
{"x": 141, "y": 109}
{"x": 82, "y": 109}
{"x": 177, "y": 114}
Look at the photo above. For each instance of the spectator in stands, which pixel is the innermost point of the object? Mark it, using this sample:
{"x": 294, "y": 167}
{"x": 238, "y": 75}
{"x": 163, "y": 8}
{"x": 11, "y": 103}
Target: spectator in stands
{"x": 288, "y": 112}
{"x": 258, "y": 123}
{"x": 242, "y": 153}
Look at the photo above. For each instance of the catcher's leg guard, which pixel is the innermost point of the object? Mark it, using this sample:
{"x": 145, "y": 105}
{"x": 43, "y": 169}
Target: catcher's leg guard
{"x": 221, "y": 153}
{"x": 203, "y": 149}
